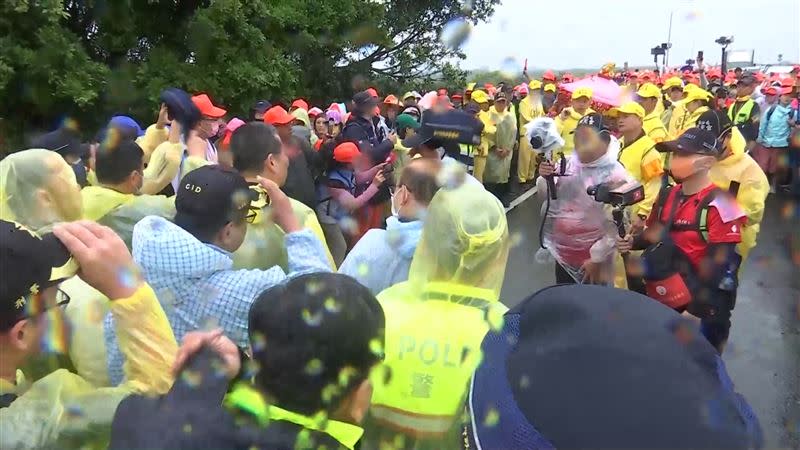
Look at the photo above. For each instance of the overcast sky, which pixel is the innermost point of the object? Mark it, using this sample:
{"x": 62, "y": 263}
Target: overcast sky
{"x": 564, "y": 34}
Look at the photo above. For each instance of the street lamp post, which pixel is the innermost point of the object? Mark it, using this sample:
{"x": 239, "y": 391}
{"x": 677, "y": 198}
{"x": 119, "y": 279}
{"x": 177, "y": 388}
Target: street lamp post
{"x": 724, "y": 42}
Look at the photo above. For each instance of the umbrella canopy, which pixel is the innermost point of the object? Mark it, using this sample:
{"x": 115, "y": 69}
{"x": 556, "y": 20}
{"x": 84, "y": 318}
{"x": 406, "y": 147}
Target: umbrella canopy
{"x": 605, "y": 91}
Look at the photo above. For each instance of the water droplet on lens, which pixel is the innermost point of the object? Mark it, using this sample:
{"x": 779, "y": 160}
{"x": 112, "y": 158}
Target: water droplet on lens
{"x": 332, "y": 306}
{"x": 455, "y": 32}
{"x": 314, "y": 367}
{"x": 312, "y": 319}
{"x": 492, "y": 418}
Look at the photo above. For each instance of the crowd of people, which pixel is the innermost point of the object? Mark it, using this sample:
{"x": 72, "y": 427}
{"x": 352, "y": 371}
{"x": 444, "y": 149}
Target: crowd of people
{"x": 330, "y": 278}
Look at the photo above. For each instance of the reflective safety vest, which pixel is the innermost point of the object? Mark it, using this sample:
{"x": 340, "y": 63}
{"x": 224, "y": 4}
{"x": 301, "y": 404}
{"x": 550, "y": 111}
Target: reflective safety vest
{"x": 432, "y": 347}
{"x": 466, "y": 156}
{"x": 743, "y": 114}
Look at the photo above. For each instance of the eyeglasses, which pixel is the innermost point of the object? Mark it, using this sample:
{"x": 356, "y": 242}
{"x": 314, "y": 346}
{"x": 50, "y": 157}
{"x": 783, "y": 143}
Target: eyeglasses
{"x": 62, "y": 298}
{"x": 251, "y": 215}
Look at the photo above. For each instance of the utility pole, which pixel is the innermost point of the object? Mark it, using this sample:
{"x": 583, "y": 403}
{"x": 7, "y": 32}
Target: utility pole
{"x": 669, "y": 40}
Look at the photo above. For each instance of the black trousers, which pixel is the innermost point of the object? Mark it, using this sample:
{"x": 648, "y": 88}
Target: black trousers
{"x": 562, "y": 276}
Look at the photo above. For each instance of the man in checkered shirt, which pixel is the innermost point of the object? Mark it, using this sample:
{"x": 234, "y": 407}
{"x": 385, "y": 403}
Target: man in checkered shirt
{"x": 189, "y": 265}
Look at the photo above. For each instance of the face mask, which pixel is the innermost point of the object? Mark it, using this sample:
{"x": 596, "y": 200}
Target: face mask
{"x": 681, "y": 168}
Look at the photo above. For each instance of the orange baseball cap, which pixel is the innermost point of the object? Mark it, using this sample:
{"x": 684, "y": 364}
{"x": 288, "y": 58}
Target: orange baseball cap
{"x": 549, "y": 76}
{"x": 277, "y": 116}
{"x": 207, "y": 108}
{"x": 300, "y": 103}
{"x": 391, "y": 100}
{"x": 346, "y": 152}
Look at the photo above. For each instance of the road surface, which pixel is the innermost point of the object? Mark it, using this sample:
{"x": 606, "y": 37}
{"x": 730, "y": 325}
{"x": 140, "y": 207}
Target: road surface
{"x": 763, "y": 354}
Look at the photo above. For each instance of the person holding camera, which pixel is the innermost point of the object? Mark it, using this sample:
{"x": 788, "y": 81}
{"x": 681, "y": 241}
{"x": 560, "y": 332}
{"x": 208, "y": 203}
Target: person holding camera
{"x": 690, "y": 238}
{"x": 578, "y": 231}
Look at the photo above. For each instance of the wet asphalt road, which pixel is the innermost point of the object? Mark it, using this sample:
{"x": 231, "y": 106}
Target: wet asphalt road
{"x": 763, "y": 354}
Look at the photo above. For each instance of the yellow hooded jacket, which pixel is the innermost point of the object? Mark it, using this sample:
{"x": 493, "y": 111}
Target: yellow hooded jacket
{"x": 753, "y": 188}
{"x": 641, "y": 160}
{"x": 63, "y": 410}
{"x": 152, "y": 138}
{"x": 120, "y": 211}
{"x": 488, "y": 134}
{"x": 654, "y": 128}
{"x": 567, "y": 127}
{"x": 690, "y": 119}
{"x": 676, "y": 119}
{"x": 437, "y": 319}
{"x": 264, "y": 245}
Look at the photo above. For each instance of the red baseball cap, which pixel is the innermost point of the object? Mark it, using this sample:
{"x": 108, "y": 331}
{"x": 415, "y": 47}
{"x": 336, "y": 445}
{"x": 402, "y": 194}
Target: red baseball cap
{"x": 769, "y": 90}
{"x": 786, "y": 90}
{"x": 549, "y": 76}
{"x": 278, "y": 116}
{"x": 372, "y": 92}
{"x": 346, "y": 152}
{"x": 300, "y": 103}
{"x": 207, "y": 108}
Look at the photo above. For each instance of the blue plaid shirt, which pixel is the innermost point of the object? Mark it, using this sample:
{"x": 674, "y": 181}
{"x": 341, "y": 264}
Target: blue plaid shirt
{"x": 197, "y": 285}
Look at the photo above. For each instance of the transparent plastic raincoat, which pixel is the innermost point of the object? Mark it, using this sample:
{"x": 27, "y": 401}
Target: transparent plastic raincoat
{"x": 121, "y": 212}
{"x": 264, "y": 244}
{"x": 753, "y": 188}
{"x": 435, "y": 321}
{"x": 63, "y": 410}
{"x": 578, "y": 229}
{"x": 497, "y": 168}
{"x": 38, "y": 188}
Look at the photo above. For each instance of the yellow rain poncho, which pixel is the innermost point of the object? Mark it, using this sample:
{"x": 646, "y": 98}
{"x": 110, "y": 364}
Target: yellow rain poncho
{"x": 497, "y": 168}
{"x": 264, "y": 245}
{"x": 302, "y": 115}
{"x": 167, "y": 161}
{"x": 530, "y": 108}
{"x": 121, "y": 212}
{"x": 63, "y": 410}
{"x": 152, "y": 138}
{"x": 436, "y": 320}
{"x": 567, "y": 128}
{"x": 487, "y": 143}
{"x": 753, "y": 188}
{"x": 38, "y": 188}
{"x": 654, "y": 128}
{"x": 691, "y": 118}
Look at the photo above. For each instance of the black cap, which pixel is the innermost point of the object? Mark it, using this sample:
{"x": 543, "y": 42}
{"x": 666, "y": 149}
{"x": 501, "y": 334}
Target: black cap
{"x": 307, "y": 331}
{"x": 180, "y": 107}
{"x": 63, "y": 141}
{"x": 592, "y": 120}
{"x": 747, "y": 79}
{"x": 261, "y": 106}
{"x": 452, "y": 126}
{"x": 692, "y": 141}
{"x": 364, "y": 100}
{"x": 500, "y": 95}
{"x": 595, "y": 367}
{"x": 715, "y": 122}
{"x": 211, "y": 196}
{"x": 29, "y": 264}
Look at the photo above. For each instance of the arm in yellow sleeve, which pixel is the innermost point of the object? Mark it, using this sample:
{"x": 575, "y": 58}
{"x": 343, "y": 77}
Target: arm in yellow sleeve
{"x": 164, "y": 165}
{"x": 145, "y": 338}
{"x": 751, "y": 197}
{"x": 651, "y": 169}
{"x": 153, "y": 137}
{"x": 312, "y": 224}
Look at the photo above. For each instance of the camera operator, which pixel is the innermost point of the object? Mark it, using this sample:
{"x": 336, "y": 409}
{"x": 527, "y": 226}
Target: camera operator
{"x": 691, "y": 237}
{"x": 578, "y": 231}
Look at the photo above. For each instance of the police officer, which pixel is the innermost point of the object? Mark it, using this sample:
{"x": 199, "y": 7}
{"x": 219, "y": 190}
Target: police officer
{"x": 691, "y": 237}
{"x": 437, "y": 319}
{"x": 744, "y": 112}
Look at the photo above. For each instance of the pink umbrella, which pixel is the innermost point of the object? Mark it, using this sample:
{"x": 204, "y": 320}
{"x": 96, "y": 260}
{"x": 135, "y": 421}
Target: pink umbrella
{"x": 604, "y": 91}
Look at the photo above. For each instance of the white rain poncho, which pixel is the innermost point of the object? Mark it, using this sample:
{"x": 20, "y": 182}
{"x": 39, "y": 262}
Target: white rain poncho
{"x": 578, "y": 229}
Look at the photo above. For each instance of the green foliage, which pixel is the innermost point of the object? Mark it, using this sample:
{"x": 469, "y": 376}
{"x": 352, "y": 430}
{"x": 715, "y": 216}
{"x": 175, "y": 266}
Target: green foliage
{"x": 90, "y": 59}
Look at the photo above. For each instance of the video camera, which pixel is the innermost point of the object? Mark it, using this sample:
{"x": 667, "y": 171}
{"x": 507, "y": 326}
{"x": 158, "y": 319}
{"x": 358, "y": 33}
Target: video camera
{"x": 618, "y": 196}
